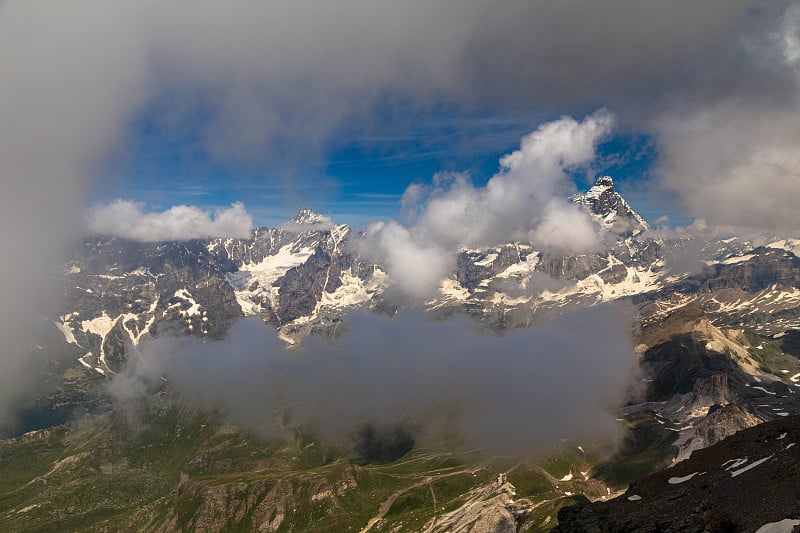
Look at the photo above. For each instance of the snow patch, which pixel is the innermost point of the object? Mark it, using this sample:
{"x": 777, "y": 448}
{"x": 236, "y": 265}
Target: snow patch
{"x": 754, "y": 464}
{"x": 737, "y": 259}
{"x": 136, "y": 336}
{"x": 84, "y": 363}
{"x": 487, "y": 261}
{"x": 788, "y": 245}
{"x": 194, "y": 307}
{"x": 681, "y": 479}
{"x": 765, "y": 390}
{"x": 452, "y": 289}
{"x": 525, "y": 267}
{"x": 67, "y": 332}
{"x": 735, "y": 463}
{"x": 254, "y": 281}
{"x": 637, "y": 281}
{"x": 100, "y": 326}
{"x": 353, "y": 291}
{"x": 784, "y": 526}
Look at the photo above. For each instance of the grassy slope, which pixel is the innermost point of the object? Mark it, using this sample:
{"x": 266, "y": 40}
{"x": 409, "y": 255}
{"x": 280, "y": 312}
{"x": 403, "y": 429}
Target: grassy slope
{"x": 179, "y": 469}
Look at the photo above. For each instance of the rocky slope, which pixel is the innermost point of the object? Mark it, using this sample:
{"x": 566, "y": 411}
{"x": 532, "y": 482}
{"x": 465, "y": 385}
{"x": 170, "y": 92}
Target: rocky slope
{"x": 706, "y": 383}
{"x": 744, "y": 483}
{"x": 169, "y": 468}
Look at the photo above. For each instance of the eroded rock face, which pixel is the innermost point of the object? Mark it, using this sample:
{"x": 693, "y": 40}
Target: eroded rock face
{"x": 257, "y": 505}
{"x": 765, "y": 267}
{"x": 472, "y": 267}
{"x": 719, "y": 424}
{"x": 571, "y": 267}
{"x": 488, "y": 509}
{"x": 675, "y": 366}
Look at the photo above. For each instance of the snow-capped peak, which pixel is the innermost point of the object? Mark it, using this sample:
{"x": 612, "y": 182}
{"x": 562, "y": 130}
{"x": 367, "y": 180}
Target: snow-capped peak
{"x": 601, "y": 185}
{"x": 609, "y": 208}
{"x": 307, "y": 220}
{"x": 307, "y": 216}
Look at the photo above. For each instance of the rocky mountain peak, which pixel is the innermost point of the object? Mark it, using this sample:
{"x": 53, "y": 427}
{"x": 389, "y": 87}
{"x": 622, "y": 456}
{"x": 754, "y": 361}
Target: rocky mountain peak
{"x": 308, "y": 216}
{"x": 603, "y": 182}
{"x": 610, "y": 208}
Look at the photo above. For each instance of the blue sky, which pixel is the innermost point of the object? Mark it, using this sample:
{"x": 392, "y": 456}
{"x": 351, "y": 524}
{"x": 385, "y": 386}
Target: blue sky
{"x": 360, "y": 176}
{"x": 340, "y": 106}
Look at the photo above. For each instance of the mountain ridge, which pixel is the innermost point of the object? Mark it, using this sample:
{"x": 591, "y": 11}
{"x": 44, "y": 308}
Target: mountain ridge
{"x": 715, "y": 342}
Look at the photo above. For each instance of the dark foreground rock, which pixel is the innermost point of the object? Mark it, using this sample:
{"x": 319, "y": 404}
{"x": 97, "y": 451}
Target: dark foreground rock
{"x": 740, "y": 484}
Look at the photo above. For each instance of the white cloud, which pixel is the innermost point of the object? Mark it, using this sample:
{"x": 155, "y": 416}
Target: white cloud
{"x": 526, "y": 191}
{"x": 735, "y": 165}
{"x": 127, "y": 220}
{"x": 415, "y": 267}
{"x": 565, "y": 228}
{"x": 526, "y": 200}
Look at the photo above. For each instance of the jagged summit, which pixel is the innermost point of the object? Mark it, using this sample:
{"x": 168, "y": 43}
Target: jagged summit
{"x": 610, "y": 208}
{"x": 603, "y": 182}
{"x": 308, "y": 216}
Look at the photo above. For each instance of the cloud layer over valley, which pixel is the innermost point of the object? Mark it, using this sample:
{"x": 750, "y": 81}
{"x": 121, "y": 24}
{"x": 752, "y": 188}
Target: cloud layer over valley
{"x": 520, "y": 392}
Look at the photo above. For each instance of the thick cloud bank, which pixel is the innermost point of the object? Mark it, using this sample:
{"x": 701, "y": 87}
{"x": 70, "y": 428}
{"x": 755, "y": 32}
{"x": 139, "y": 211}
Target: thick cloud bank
{"x": 522, "y": 391}
{"x": 735, "y": 161}
{"x": 67, "y": 91}
{"x": 125, "y": 219}
{"x": 526, "y": 200}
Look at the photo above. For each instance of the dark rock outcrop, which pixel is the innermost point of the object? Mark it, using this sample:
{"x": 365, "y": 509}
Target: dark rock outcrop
{"x": 740, "y": 484}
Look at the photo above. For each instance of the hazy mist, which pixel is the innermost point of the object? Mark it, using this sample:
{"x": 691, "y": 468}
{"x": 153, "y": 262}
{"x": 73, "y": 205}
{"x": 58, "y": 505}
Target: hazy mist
{"x": 518, "y": 392}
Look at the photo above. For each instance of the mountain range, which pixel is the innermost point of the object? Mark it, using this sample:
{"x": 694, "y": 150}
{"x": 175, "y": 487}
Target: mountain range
{"x": 716, "y": 329}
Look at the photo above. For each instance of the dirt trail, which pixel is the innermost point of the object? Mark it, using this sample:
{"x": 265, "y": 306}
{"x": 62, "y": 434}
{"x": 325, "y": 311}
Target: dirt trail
{"x": 387, "y": 504}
